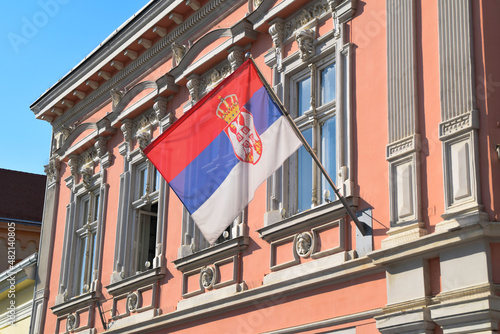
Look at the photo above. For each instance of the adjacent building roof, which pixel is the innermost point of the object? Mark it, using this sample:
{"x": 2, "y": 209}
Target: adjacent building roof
{"x": 21, "y": 196}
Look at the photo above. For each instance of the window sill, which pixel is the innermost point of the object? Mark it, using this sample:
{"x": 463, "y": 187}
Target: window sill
{"x": 75, "y": 302}
{"x": 306, "y": 219}
{"x": 132, "y": 282}
{"x": 211, "y": 254}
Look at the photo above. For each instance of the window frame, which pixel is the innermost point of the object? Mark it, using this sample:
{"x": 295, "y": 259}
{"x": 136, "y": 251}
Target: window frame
{"x": 328, "y": 48}
{"x": 313, "y": 119}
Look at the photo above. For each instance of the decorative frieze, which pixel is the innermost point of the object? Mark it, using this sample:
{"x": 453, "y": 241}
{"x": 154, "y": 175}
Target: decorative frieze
{"x": 403, "y": 146}
{"x": 315, "y": 11}
{"x": 208, "y": 82}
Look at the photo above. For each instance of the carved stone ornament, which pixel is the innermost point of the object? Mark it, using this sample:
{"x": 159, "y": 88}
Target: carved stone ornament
{"x": 100, "y": 146}
{"x": 276, "y": 32}
{"x": 193, "y": 85}
{"x": 305, "y": 41}
{"x": 160, "y": 108}
{"x": 87, "y": 173}
{"x": 236, "y": 58}
{"x": 210, "y": 81}
{"x": 52, "y": 169}
{"x": 71, "y": 322}
{"x": 178, "y": 52}
{"x": 307, "y": 15}
{"x": 116, "y": 96}
{"x": 143, "y": 132}
{"x": 207, "y": 277}
{"x": 73, "y": 162}
{"x": 127, "y": 128}
{"x": 132, "y": 302}
{"x": 256, "y": 3}
{"x": 303, "y": 244}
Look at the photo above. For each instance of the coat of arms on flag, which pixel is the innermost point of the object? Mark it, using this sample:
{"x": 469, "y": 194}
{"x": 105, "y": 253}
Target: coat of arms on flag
{"x": 240, "y": 130}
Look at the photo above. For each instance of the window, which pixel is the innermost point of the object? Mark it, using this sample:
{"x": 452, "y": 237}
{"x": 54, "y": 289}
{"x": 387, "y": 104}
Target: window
{"x": 312, "y": 104}
{"x": 145, "y": 217}
{"x": 80, "y": 261}
{"x": 88, "y": 213}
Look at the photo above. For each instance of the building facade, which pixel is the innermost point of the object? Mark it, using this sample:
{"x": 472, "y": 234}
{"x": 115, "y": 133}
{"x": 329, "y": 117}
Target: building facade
{"x": 397, "y": 98}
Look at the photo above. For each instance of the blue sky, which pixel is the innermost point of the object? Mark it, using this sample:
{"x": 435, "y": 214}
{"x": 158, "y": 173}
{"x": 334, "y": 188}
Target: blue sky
{"x": 41, "y": 41}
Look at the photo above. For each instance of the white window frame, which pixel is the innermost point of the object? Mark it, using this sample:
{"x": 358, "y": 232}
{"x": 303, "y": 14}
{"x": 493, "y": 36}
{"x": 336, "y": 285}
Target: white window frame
{"x": 144, "y": 196}
{"x": 69, "y": 283}
{"x": 281, "y": 203}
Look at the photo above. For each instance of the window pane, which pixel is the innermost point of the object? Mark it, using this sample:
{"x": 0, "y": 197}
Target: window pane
{"x": 81, "y": 280}
{"x": 328, "y": 156}
{"x": 328, "y": 92}
{"x": 84, "y": 215}
{"x": 96, "y": 207}
{"x": 304, "y": 175}
{"x": 156, "y": 181}
{"x": 92, "y": 259}
{"x": 143, "y": 179}
{"x": 304, "y": 96}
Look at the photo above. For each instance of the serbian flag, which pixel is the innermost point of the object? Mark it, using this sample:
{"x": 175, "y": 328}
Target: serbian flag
{"x": 216, "y": 155}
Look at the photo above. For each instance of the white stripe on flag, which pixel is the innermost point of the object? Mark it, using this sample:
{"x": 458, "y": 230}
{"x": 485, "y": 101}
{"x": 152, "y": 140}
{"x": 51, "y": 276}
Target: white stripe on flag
{"x": 237, "y": 190}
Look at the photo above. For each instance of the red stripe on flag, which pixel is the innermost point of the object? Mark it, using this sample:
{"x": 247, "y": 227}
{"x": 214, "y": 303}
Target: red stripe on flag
{"x": 173, "y": 150}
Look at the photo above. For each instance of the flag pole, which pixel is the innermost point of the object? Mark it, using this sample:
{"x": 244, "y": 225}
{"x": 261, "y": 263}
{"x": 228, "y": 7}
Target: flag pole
{"x": 308, "y": 148}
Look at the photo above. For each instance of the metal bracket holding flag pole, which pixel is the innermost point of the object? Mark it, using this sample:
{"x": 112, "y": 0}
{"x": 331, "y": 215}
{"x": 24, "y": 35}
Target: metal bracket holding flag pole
{"x": 359, "y": 225}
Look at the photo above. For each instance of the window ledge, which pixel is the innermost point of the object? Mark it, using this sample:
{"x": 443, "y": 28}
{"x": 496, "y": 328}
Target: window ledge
{"x": 211, "y": 254}
{"x": 132, "y": 282}
{"x": 306, "y": 219}
{"x": 75, "y": 302}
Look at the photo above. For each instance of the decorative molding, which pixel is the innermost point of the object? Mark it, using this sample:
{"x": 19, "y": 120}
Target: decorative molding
{"x": 304, "y": 243}
{"x": 403, "y": 147}
{"x": 208, "y": 277}
{"x": 457, "y": 125}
